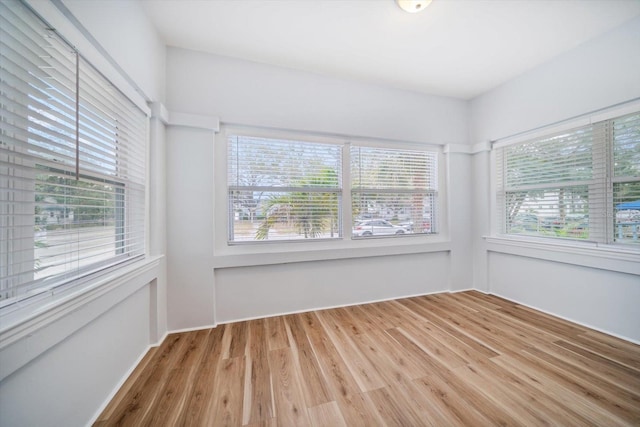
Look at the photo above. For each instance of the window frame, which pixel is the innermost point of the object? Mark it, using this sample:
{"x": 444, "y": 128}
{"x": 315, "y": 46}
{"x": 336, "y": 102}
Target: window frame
{"x": 84, "y": 278}
{"x": 605, "y": 243}
{"x": 275, "y": 252}
{"x": 290, "y": 189}
{"x": 431, "y": 192}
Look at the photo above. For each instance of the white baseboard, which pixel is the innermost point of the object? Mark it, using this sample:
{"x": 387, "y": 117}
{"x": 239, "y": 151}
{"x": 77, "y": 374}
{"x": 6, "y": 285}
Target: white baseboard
{"x": 332, "y": 307}
{"x": 119, "y": 385}
{"x": 568, "y": 319}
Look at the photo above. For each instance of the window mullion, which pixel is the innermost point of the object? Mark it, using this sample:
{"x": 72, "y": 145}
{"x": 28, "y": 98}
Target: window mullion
{"x": 599, "y": 209}
{"x": 608, "y": 182}
{"x": 347, "y": 208}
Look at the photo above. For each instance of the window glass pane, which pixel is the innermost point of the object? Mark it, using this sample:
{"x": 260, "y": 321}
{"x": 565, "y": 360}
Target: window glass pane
{"x": 583, "y": 183}
{"x": 558, "y": 212}
{"x": 78, "y": 222}
{"x": 393, "y": 192}
{"x": 549, "y": 186}
{"x": 406, "y": 213}
{"x": 63, "y": 216}
{"x": 626, "y": 188}
{"x": 626, "y": 146}
{"x": 285, "y": 215}
{"x": 563, "y": 158}
{"x": 283, "y": 189}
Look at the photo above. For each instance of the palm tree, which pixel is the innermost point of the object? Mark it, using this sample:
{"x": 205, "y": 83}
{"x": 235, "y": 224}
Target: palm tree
{"x": 311, "y": 210}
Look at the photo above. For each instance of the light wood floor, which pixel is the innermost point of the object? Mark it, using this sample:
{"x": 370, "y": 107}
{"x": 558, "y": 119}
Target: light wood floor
{"x": 443, "y": 360}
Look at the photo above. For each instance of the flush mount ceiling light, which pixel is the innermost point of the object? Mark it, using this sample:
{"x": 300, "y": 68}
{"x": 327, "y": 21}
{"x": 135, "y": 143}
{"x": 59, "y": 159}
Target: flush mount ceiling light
{"x": 413, "y": 6}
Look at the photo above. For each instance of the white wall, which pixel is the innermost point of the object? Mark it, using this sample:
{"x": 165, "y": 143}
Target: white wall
{"x": 247, "y": 93}
{"x": 601, "y": 299}
{"x": 259, "y": 291}
{"x": 596, "y": 75}
{"x": 157, "y": 230}
{"x": 69, "y": 382}
{"x": 459, "y": 184}
{"x": 190, "y": 227}
{"x": 480, "y": 217}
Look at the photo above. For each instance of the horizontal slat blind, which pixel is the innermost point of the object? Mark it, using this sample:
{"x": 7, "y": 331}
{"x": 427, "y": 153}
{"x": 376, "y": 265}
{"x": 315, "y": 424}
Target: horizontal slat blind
{"x": 626, "y": 182}
{"x": 283, "y": 189}
{"x": 626, "y": 147}
{"x": 581, "y": 183}
{"x": 547, "y": 183}
{"x": 564, "y": 158}
{"x": 57, "y": 225}
{"x": 399, "y": 170}
{"x": 397, "y": 185}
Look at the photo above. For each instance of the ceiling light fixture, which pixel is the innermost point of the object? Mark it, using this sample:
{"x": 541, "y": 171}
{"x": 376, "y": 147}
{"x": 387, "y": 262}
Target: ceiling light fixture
{"x": 413, "y": 6}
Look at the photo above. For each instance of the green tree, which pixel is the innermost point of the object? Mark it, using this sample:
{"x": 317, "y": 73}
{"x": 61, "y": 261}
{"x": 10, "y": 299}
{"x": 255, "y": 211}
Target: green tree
{"x": 90, "y": 203}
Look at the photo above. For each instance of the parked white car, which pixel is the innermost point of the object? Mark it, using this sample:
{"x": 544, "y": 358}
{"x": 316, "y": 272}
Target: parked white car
{"x": 376, "y": 227}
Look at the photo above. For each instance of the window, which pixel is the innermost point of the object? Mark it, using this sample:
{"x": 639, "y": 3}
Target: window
{"x": 626, "y": 178}
{"x": 291, "y": 190}
{"x": 283, "y": 189}
{"x": 581, "y": 184}
{"x": 72, "y": 163}
{"x": 393, "y": 192}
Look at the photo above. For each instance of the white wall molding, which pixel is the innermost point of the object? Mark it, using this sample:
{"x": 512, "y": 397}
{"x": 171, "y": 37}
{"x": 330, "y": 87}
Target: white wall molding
{"x": 467, "y": 148}
{"x": 194, "y": 121}
{"x": 373, "y": 301}
{"x": 287, "y": 257}
{"x": 603, "y": 258}
{"x": 160, "y": 112}
{"x": 481, "y": 147}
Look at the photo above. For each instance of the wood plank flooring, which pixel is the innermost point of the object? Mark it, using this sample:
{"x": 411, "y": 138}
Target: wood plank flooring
{"x": 464, "y": 359}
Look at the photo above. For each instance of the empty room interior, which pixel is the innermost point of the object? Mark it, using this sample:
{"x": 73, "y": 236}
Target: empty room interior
{"x": 319, "y": 212}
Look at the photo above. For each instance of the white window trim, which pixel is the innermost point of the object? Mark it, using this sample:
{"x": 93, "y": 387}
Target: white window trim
{"x": 608, "y": 257}
{"x": 264, "y": 253}
{"x": 613, "y": 257}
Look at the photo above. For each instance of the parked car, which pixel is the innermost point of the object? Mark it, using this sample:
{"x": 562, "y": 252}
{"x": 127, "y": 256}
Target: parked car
{"x": 552, "y": 222}
{"x": 376, "y": 227}
{"x": 424, "y": 227}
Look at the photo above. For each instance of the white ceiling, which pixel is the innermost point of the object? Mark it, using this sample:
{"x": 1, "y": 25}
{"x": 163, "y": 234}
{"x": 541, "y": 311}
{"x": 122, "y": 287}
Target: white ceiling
{"x": 458, "y": 48}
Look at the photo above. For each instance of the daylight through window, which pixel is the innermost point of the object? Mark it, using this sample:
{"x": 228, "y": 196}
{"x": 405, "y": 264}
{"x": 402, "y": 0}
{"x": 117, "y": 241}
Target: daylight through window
{"x": 284, "y": 190}
{"x": 579, "y": 184}
{"x": 72, "y": 163}
{"x": 393, "y": 191}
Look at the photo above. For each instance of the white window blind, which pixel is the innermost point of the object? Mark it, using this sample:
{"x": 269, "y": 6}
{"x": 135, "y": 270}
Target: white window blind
{"x": 393, "y": 187}
{"x": 283, "y": 189}
{"x": 626, "y": 178}
{"x": 72, "y": 163}
{"x": 571, "y": 184}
